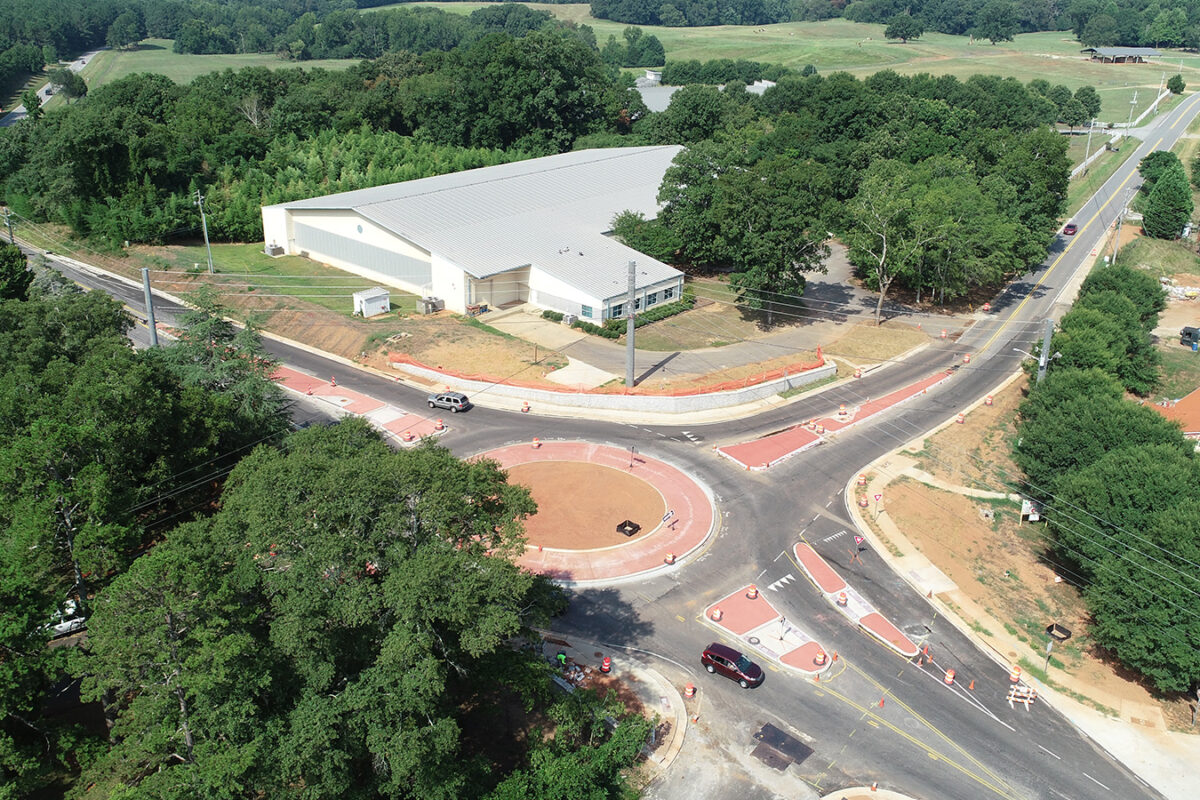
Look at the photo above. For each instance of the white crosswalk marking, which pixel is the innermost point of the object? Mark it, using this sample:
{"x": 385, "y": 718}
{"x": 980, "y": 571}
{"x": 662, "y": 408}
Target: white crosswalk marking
{"x": 833, "y": 536}
{"x": 784, "y": 581}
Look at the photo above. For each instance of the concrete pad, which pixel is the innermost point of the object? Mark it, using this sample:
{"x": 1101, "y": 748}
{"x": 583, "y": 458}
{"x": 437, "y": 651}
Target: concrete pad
{"x": 532, "y": 328}
{"x": 578, "y": 373}
{"x": 933, "y": 578}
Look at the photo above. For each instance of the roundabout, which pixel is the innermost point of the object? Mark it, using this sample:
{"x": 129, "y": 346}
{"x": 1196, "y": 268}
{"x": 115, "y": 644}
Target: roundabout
{"x": 585, "y": 491}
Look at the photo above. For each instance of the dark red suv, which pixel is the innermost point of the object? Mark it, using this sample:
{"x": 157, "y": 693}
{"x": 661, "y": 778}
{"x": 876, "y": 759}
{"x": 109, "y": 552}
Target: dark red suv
{"x": 732, "y": 664}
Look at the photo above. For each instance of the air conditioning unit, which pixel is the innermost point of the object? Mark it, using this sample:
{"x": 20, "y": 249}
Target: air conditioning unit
{"x": 569, "y": 319}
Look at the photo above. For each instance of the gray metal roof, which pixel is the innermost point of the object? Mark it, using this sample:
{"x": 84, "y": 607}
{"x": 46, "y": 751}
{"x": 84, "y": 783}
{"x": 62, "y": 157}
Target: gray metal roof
{"x": 544, "y": 212}
{"x": 1144, "y": 52}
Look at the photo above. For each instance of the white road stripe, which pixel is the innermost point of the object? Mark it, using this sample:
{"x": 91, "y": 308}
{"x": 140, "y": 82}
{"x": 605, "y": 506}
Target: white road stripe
{"x": 1093, "y": 780}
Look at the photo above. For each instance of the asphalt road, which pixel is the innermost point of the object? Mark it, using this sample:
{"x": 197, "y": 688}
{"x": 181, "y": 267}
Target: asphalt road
{"x": 927, "y": 740}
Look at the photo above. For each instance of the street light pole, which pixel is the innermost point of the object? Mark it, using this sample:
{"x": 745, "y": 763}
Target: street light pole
{"x": 1088, "y": 151}
{"x": 1044, "y": 355}
{"x": 199, "y": 201}
{"x": 1132, "y": 105}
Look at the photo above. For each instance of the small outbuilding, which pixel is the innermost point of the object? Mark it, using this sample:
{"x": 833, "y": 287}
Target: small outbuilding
{"x": 372, "y": 302}
{"x": 1121, "y": 55}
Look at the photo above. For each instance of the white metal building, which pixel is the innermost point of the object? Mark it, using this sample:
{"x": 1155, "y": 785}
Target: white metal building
{"x": 531, "y": 231}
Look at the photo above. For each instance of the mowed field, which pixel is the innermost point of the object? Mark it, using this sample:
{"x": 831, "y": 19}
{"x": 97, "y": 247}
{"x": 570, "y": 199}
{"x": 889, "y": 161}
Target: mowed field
{"x": 155, "y": 55}
{"x": 862, "y": 50}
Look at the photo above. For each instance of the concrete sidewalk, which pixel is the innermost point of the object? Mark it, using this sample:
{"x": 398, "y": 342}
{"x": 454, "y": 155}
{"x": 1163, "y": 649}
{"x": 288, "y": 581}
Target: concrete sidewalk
{"x": 1156, "y": 755}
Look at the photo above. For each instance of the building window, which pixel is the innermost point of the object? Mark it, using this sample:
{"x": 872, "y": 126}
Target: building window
{"x": 586, "y": 312}
{"x": 668, "y": 293}
{"x": 637, "y": 304}
{"x": 616, "y": 311}
{"x": 651, "y": 299}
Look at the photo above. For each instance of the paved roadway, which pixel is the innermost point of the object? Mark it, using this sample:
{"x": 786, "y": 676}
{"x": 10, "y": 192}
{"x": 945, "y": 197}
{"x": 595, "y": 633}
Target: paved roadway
{"x": 926, "y": 740}
{"x": 19, "y": 112}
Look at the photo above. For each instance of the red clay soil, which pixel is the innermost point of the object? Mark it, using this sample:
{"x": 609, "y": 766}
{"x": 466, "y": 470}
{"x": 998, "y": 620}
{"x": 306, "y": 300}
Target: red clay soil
{"x": 580, "y": 504}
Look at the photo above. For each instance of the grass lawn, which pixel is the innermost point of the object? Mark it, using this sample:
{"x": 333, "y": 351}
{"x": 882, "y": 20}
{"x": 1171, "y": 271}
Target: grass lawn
{"x": 861, "y": 49}
{"x": 1181, "y": 370}
{"x": 155, "y": 55}
{"x": 244, "y": 270}
{"x": 1083, "y": 186}
{"x": 1159, "y": 257}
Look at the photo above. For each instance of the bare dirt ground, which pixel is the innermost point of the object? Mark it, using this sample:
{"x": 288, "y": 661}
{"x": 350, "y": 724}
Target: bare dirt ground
{"x": 977, "y": 452}
{"x": 580, "y": 505}
{"x": 868, "y": 342}
{"x": 1002, "y": 566}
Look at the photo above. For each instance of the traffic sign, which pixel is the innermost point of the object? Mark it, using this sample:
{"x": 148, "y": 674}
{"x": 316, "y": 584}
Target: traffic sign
{"x": 859, "y": 540}
{"x": 878, "y": 497}
{"x": 670, "y": 513}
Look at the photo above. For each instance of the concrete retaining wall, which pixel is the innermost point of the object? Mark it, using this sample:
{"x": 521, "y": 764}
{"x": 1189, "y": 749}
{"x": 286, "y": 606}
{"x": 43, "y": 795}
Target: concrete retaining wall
{"x": 632, "y": 402}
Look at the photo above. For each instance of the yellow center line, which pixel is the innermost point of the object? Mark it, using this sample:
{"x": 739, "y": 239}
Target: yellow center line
{"x": 1004, "y": 790}
{"x": 1181, "y": 114}
{"x": 1061, "y": 256}
{"x": 945, "y": 738}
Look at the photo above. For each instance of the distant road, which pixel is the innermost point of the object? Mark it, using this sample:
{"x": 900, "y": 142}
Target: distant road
{"x": 20, "y": 111}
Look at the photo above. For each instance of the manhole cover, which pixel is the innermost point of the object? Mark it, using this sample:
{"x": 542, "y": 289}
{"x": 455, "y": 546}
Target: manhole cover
{"x": 786, "y": 746}
{"x": 753, "y": 640}
{"x": 771, "y": 757}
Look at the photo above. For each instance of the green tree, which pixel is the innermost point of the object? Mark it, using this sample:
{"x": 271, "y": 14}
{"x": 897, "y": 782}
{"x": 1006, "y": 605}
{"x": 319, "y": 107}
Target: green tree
{"x": 1169, "y": 206}
{"x": 1154, "y": 165}
{"x": 1074, "y": 114}
{"x": 1090, "y": 99}
{"x": 1175, "y": 84}
{"x": 884, "y": 235}
{"x": 1138, "y": 286}
{"x": 771, "y": 221}
{"x": 126, "y": 30}
{"x": 997, "y": 21}
{"x": 903, "y": 27}
{"x": 1100, "y": 31}
{"x": 33, "y": 104}
{"x": 646, "y": 236}
{"x": 15, "y": 275}
{"x": 339, "y": 613}
{"x": 1080, "y": 430}
{"x": 213, "y": 353}
{"x": 1142, "y": 602}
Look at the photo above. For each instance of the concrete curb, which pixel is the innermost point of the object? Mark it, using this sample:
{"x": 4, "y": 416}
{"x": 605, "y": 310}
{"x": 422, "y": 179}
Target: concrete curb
{"x": 1082, "y": 718}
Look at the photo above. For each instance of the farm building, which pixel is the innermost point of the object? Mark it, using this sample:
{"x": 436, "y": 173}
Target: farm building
{"x": 1121, "y": 55}
{"x": 528, "y": 232}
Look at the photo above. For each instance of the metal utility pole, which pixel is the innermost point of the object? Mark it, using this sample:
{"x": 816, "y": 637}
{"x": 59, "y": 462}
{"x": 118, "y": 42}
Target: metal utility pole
{"x": 199, "y": 201}
{"x": 8, "y": 222}
{"x": 1088, "y": 152}
{"x": 1120, "y": 222}
{"x": 629, "y": 351}
{"x": 149, "y": 307}
{"x": 1132, "y": 105}
{"x": 1161, "y": 82}
{"x": 1044, "y": 356}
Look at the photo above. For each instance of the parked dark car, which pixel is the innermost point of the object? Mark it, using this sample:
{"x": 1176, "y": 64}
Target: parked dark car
{"x": 732, "y": 664}
{"x": 454, "y": 401}
{"x": 1070, "y": 228}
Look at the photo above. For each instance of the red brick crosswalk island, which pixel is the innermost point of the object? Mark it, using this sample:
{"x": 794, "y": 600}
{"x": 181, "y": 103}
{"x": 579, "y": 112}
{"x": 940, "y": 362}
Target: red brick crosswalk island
{"x": 693, "y": 521}
{"x": 406, "y": 428}
{"x": 850, "y": 603}
{"x": 760, "y": 627}
{"x": 770, "y": 450}
{"x": 818, "y": 571}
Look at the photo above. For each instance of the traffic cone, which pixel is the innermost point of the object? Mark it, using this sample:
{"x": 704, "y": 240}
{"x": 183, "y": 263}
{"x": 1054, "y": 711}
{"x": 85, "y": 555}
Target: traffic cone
{"x": 332, "y": 380}
{"x": 971, "y": 685}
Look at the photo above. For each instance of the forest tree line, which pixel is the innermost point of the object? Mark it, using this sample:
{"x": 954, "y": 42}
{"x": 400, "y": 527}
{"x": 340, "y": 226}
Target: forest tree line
{"x": 121, "y": 163}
